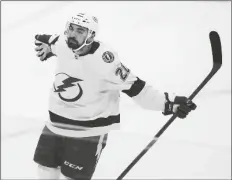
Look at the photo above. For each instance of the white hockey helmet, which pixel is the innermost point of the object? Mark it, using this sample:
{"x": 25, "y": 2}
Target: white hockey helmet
{"x": 84, "y": 20}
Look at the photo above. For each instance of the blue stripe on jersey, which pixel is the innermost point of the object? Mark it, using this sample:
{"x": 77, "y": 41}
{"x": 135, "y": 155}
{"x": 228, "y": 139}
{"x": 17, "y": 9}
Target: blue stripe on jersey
{"x": 99, "y": 122}
{"x": 136, "y": 88}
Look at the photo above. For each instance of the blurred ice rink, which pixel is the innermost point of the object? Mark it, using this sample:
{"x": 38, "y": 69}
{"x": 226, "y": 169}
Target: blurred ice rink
{"x": 164, "y": 43}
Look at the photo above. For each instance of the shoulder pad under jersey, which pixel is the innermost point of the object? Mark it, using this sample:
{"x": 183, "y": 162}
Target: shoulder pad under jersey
{"x": 107, "y": 54}
{"x": 106, "y": 59}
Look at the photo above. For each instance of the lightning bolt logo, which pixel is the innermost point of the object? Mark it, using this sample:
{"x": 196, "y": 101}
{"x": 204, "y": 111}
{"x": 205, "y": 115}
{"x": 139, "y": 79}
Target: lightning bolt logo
{"x": 67, "y": 83}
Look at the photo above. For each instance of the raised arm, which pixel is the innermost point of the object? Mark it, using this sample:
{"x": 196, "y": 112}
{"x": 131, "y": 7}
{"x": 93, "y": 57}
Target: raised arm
{"x": 121, "y": 78}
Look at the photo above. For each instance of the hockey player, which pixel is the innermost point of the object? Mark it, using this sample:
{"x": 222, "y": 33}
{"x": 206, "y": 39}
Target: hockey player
{"x": 84, "y": 99}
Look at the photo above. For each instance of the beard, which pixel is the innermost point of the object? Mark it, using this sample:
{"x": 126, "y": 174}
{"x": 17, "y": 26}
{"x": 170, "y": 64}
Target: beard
{"x": 72, "y": 43}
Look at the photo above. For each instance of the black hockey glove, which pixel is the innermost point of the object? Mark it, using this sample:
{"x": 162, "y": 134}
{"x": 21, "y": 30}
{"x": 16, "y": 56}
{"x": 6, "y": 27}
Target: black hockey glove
{"x": 43, "y": 43}
{"x": 180, "y": 105}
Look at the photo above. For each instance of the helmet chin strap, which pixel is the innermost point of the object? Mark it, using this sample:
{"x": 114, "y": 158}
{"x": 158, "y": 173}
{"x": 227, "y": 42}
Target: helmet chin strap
{"x": 85, "y": 43}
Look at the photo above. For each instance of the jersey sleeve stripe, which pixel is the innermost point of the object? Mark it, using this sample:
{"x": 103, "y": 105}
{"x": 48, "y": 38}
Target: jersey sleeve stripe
{"x": 136, "y": 88}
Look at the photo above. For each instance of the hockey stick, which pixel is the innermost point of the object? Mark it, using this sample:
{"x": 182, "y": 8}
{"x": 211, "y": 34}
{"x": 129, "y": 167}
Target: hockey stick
{"x": 217, "y": 62}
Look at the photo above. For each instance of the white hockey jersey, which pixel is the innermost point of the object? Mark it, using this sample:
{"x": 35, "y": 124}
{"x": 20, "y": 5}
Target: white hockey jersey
{"x": 84, "y": 98}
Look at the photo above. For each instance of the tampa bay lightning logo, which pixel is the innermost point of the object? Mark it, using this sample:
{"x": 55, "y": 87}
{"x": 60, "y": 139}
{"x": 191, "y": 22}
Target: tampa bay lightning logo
{"x": 67, "y": 87}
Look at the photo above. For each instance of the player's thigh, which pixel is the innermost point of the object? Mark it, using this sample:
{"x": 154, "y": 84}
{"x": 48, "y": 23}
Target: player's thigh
{"x": 49, "y": 149}
{"x": 81, "y": 156}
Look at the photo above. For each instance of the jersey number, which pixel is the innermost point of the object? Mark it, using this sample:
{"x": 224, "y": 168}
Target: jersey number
{"x": 122, "y": 72}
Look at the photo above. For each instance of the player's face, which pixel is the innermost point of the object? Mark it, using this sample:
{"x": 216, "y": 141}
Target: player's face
{"x": 76, "y": 36}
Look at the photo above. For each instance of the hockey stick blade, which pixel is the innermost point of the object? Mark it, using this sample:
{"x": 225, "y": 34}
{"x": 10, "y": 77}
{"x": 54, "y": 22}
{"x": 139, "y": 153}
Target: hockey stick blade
{"x": 216, "y": 47}
{"x": 217, "y": 62}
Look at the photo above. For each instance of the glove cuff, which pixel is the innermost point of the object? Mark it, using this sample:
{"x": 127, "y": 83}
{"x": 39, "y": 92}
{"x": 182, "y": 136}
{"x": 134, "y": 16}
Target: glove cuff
{"x": 168, "y": 107}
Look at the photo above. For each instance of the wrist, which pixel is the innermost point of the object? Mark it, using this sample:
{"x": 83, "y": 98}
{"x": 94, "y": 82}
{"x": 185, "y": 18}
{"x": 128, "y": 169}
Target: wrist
{"x": 168, "y": 105}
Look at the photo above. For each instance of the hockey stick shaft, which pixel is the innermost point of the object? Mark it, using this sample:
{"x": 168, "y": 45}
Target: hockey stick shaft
{"x": 217, "y": 62}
